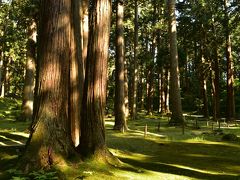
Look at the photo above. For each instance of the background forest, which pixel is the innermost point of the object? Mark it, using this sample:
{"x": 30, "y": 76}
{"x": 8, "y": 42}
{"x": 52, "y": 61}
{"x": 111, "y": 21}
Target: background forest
{"x": 169, "y": 64}
{"x": 202, "y": 31}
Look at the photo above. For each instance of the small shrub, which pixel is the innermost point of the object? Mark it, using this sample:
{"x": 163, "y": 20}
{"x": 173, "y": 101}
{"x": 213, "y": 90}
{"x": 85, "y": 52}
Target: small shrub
{"x": 230, "y": 137}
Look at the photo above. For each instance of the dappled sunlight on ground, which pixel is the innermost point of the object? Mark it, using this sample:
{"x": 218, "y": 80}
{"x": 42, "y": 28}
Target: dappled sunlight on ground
{"x": 163, "y": 153}
{"x": 198, "y": 154}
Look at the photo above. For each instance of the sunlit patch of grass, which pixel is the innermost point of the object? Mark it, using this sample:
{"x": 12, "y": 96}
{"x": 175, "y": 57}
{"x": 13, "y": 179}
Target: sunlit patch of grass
{"x": 165, "y": 153}
{"x": 12, "y": 140}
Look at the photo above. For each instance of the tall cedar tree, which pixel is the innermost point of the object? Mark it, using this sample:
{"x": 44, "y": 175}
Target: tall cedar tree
{"x": 175, "y": 97}
{"x": 215, "y": 76}
{"x": 77, "y": 71}
{"x": 230, "y": 74}
{"x": 135, "y": 65}
{"x": 150, "y": 78}
{"x": 50, "y": 139}
{"x": 119, "y": 105}
{"x": 92, "y": 141}
{"x": 28, "y": 89}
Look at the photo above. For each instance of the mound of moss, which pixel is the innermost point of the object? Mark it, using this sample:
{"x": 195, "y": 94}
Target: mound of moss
{"x": 230, "y": 137}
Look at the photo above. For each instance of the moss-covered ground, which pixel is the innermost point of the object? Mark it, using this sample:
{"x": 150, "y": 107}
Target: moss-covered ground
{"x": 162, "y": 153}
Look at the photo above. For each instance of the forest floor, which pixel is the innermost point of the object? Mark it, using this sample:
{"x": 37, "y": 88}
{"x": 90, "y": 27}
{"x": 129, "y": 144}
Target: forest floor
{"x": 162, "y": 153}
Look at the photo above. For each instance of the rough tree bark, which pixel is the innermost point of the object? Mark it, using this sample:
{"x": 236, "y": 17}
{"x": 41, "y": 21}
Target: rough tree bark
{"x": 176, "y": 105}
{"x": 216, "y": 84}
{"x": 230, "y": 74}
{"x": 92, "y": 141}
{"x": 135, "y": 65}
{"x": 126, "y": 89}
{"x": 84, "y": 30}
{"x": 50, "y": 139}
{"x": 119, "y": 104}
{"x": 77, "y": 70}
{"x": 151, "y": 65}
{"x": 28, "y": 89}
{"x": 203, "y": 73}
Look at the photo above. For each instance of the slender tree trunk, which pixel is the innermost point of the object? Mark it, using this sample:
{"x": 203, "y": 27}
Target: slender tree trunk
{"x": 50, "y": 140}
{"x": 150, "y": 90}
{"x": 4, "y": 76}
{"x": 141, "y": 92}
{"x": 230, "y": 75}
{"x": 7, "y": 78}
{"x": 92, "y": 141}
{"x": 28, "y": 89}
{"x": 135, "y": 64}
{"x": 205, "y": 98}
{"x": 1, "y": 71}
{"x": 120, "y": 117}
{"x": 151, "y": 67}
{"x": 215, "y": 78}
{"x": 176, "y": 105}
{"x": 203, "y": 81}
{"x": 214, "y": 96}
{"x": 126, "y": 89}
{"x": 77, "y": 69}
{"x": 84, "y": 30}
{"x": 217, "y": 83}
{"x": 162, "y": 91}
{"x": 167, "y": 91}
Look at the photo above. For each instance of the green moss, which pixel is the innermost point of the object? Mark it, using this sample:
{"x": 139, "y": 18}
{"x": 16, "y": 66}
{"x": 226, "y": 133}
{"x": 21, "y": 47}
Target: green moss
{"x": 164, "y": 154}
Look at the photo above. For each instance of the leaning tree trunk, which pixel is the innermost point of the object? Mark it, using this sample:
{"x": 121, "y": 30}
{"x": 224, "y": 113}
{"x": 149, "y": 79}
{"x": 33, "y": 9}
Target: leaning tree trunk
{"x": 176, "y": 105}
{"x": 119, "y": 105}
{"x": 28, "y": 89}
{"x": 92, "y": 141}
{"x": 50, "y": 141}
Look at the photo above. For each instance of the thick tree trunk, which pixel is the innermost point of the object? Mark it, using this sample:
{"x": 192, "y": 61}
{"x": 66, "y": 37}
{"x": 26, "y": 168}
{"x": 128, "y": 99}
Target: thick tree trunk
{"x": 50, "y": 140}
{"x": 92, "y": 141}
{"x": 135, "y": 65}
{"x": 230, "y": 82}
{"x": 176, "y": 105}
{"x": 28, "y": 89}
{"x": 216, "y": 75}
{"x": 203, "y": 81}
{"x": 230, "y": 75}
{"x": 119, "y": 105}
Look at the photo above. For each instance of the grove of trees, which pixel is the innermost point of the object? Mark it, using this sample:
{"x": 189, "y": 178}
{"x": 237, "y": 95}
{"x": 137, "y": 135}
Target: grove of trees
{"x": 74, "y": 61}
